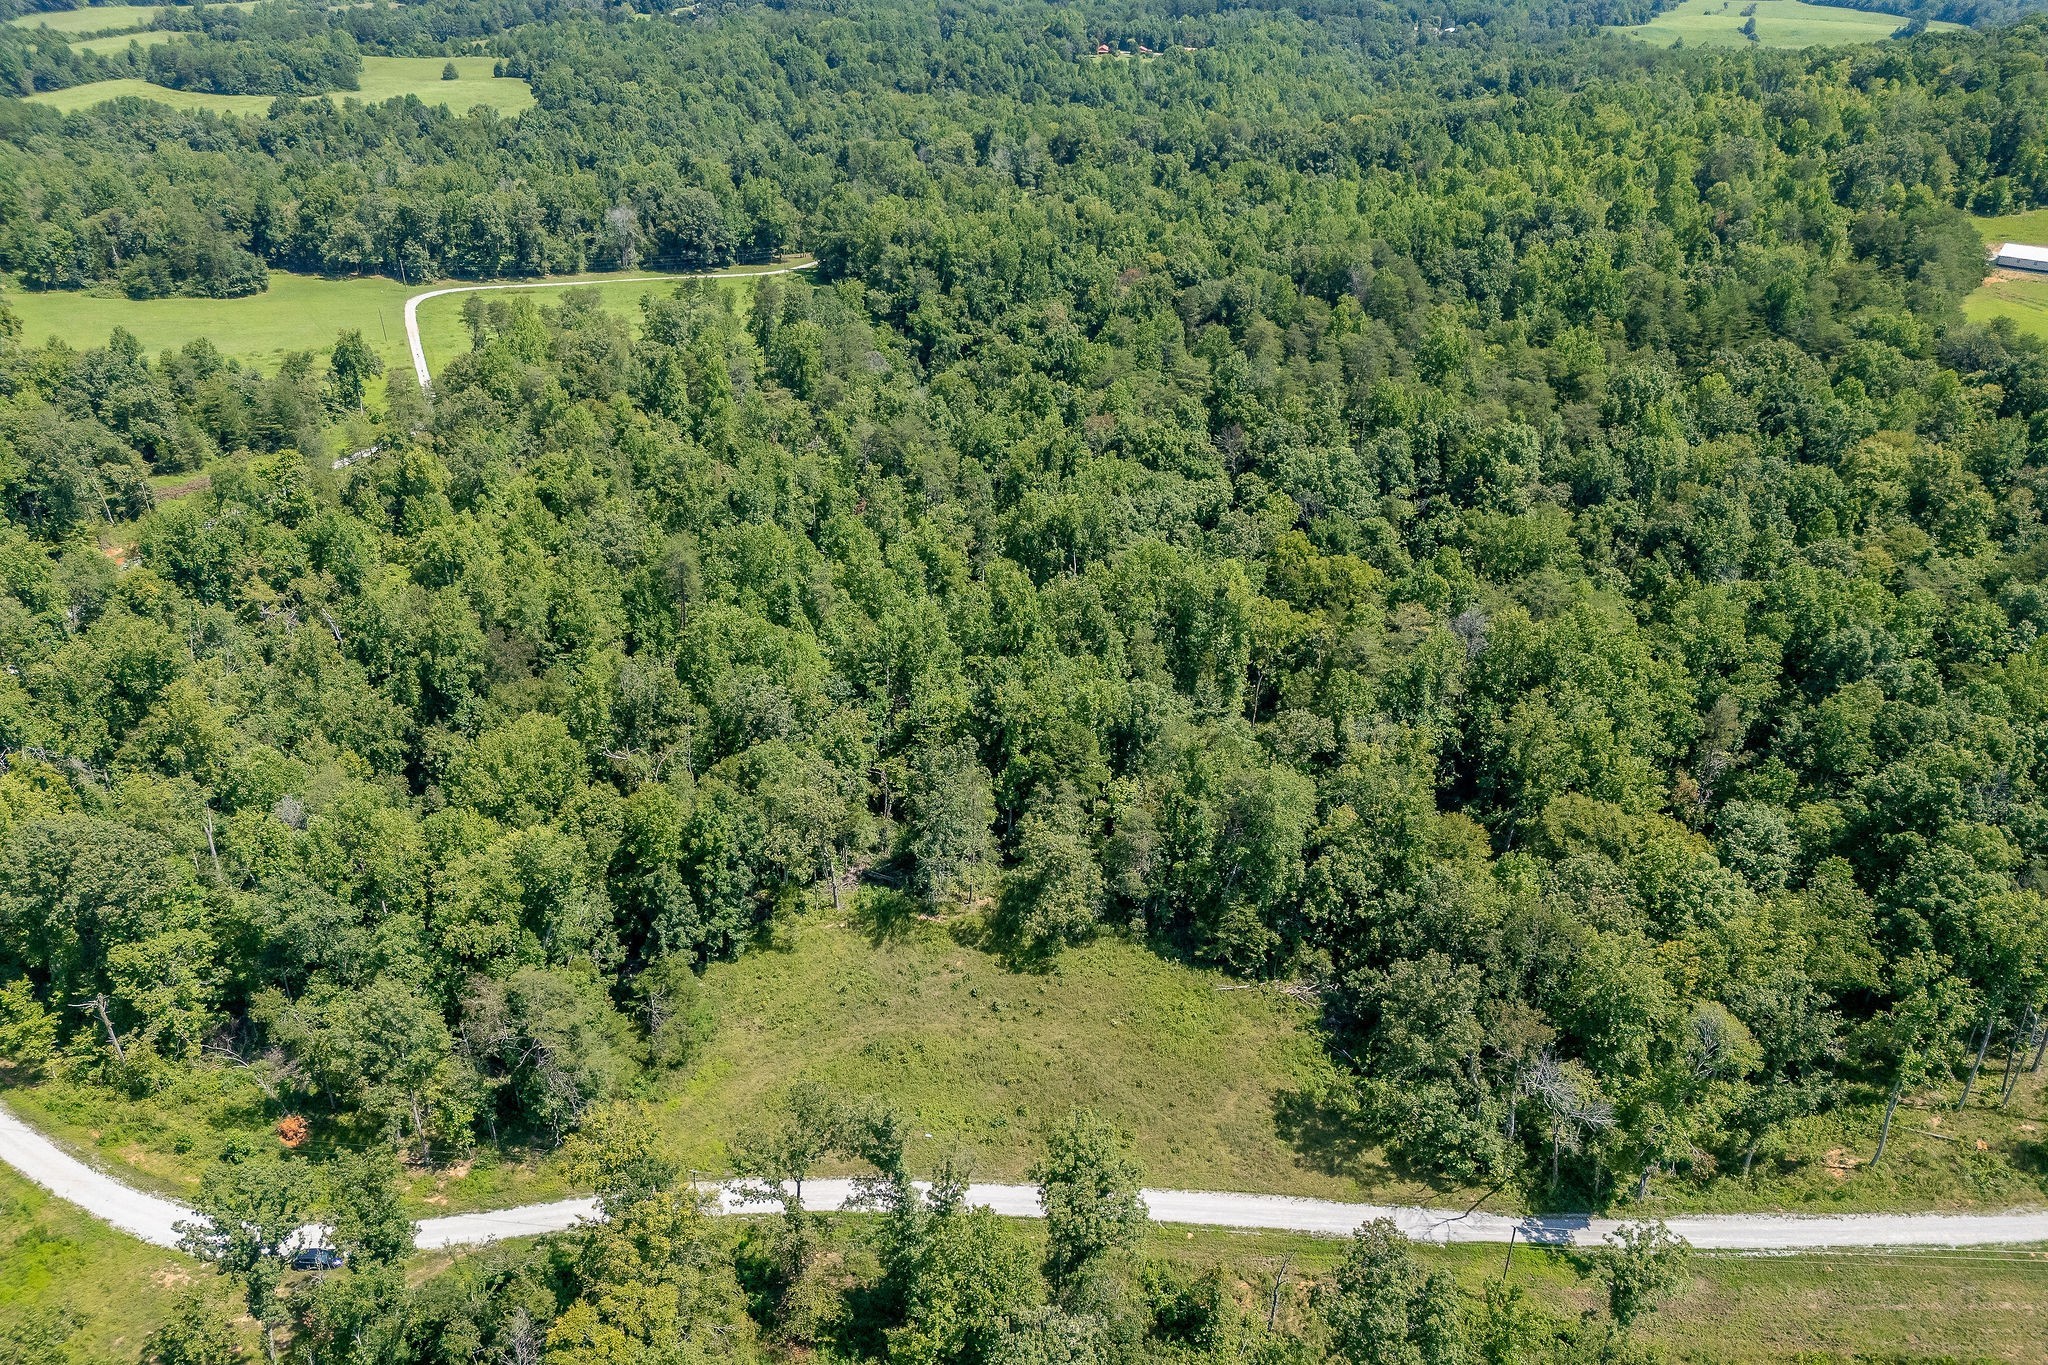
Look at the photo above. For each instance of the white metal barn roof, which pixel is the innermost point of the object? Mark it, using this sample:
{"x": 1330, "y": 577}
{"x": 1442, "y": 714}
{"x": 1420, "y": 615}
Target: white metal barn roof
{"x": 2018, "y": 256}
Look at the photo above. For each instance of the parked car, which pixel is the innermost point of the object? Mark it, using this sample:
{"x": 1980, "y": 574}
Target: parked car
{"x": 317, "y": 1258}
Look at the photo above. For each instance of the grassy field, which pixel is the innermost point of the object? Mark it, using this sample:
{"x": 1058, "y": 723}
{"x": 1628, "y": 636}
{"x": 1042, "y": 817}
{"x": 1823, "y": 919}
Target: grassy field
{"x": 1779, "y": 23}
{"x": 2030, "y": 226}
{"x": 1197, "y": 1071}
{"x": 297, "y": 312}
{"x": 390, "y": 78}
{"x": 101, "y": 1290}
{"x": 1215, "y": 1083}
{"x": 118, "y": 42}
{"x": 384, "y": 78}
{"x": 76, "y": 97}
{"x": 2023, "y": 298}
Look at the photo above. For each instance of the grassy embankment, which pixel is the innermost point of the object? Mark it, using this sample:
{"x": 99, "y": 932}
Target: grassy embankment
{"x": 1218, "y": 1085}
{"x": 1779, "y": 23}
{"x": 65, "y": 1274}
{"x": 383, "y": 78}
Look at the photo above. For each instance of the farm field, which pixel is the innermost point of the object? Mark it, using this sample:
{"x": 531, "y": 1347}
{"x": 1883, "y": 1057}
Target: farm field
{"x": 383, "y": 78}
{"x": 76, "y": 97}
{"x": 104, "y": 18}
{"x": 2011, "y": 293}
{"x": 2030, "y": 226}
{"x": 1779, "y": 23}
{"x": 297, "y": 313}
{"x": 118, "y": 42}
{"x": 390, "y": 78}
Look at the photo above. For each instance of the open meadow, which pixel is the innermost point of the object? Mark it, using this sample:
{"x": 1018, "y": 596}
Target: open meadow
{"x": 104, "y": 18}
{"x": 296, "y": 313}
{"x": 383, "y": 78}
{"x": 1779, "y": 23}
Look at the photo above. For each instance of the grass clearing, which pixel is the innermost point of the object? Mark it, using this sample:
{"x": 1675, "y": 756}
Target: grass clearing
{"x": 118, "y": 42}
{"x": 2010, "y": 294}
{"x": 1933, "y": 1305}
{"x": 76, "y": 97}
{"x": 383, "y": 78}
{"x": 1779, "y": 23}
{"x": 2030, "y": 226}
{"x": 1199, "y": 1070}
{"x": 1215, "y": 1081}
{"x": 297, "y": 313}
{"x": 103, "y": 1291}
{"x": 390, "y": 78}
{"x": 103, "y": 18}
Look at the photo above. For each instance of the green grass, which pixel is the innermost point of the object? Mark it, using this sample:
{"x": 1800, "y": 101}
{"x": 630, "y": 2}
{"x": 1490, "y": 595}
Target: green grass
{"x": 383, "y": 78}
{"x": 1194, "y": 1067}
{"x": 106, "y": 18}
{"x": 297, "y": 312}
{"x": 109, "y": 1290}
{"x": 1779, "y": 23}
{"x": 118, "y": 42}
{"x": 2030, "y": 226}
{"x": 76, "y": 97}
{"x": 389, "y": 78}
{"x": 1212, "y": 1080}
{"x": 2023, "y": 298}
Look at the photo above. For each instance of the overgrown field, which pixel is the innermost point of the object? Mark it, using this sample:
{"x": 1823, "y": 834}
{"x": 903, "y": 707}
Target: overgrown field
{"x": 65, "y": 1275}
{"x": 1779, "y": 23}
{"x": 1221, "y": 1085}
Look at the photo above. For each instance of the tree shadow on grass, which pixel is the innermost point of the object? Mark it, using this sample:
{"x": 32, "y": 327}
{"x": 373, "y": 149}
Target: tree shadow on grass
{"x": 883, "y": 915}
{"x": 1323, "y": 1126}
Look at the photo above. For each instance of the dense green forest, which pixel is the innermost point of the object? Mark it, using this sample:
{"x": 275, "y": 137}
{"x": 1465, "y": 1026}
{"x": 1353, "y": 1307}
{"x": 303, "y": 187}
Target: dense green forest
{"x": 1507, "y": 530}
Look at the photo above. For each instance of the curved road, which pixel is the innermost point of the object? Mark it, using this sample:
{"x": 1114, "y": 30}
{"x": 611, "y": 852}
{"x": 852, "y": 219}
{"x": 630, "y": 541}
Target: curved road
{"x": 412, "y": 305}
{"x": 154, "y": 1219}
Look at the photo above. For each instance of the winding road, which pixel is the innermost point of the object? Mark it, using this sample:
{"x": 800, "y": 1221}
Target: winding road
{"x": 154, "y": 1219}
{"x": 412, "y": 305}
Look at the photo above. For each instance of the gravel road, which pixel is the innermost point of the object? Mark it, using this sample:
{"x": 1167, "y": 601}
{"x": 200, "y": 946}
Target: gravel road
{"x": 412, "y": 305}
{"x": 154, "y": 1218}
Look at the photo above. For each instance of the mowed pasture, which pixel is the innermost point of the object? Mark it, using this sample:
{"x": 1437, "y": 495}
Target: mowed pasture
{"x": 119, "y": 42}
{"x": 104, "y": 18}
{"x": 383, "y": 78}
{"x": 75, "y": 97}
{"x": 390, "y": 78}
{"x": 300, "y": 313}
{"x": 2023, "y": 298}
{"x": 1779, "y": 23}
{"x": 2014, "y": 294}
